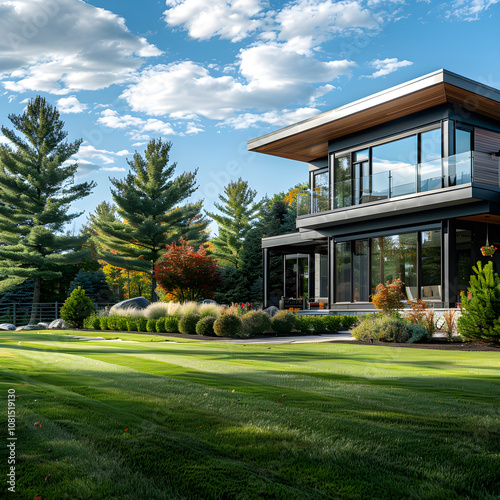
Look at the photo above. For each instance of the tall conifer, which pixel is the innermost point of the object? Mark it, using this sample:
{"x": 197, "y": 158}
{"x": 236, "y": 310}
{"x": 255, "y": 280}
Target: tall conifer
{"x": 238, "y": 211}
{"x": 149, "y": 201}
{"x": 36, "y": 190}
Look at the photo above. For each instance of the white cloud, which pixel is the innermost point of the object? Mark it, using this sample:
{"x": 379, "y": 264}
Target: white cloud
{"x": 70, "y": 105}
{"x": 113, "y": 169}
{"x": 204, "y": 19}
{"x": 88, "y": 152}
{"x": 60, "y": 46}
{"x": 273, "y": 78}
{"x": 468, "y": 10}
{"x": 387, "y": 66}
{"x": 139, "y": 129}
{"x": 4, "y": 140}
{"x": 275, "y": 118}
{"x": 304, "y": 23}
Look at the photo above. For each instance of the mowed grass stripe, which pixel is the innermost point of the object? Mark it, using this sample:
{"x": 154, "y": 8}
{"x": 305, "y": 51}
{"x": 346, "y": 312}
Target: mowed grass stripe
{"x": 313, "y": 444}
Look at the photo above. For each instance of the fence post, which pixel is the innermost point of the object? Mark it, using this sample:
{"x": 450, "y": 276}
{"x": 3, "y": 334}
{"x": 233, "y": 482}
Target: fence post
{"x": 57, "y": 314}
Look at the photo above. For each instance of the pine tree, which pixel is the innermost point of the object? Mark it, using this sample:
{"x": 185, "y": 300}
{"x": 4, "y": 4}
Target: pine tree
{"x": 149, "y": 202}
{"x": 36, "y": 189}
{"x": 239, "y": 211}
{"x": 480, "y": 308}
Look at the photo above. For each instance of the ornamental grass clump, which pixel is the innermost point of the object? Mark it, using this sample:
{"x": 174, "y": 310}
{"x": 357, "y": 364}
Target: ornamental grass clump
{"x": 228, "y": 325}
{"x": 209, "y": 310}
{"x": 187, "y": 324}
{"x": 206, "y": 326}
{"x": 381, "y": 329}
{"x": 283, "y": 322}
{"x": 389, "y": 296}
{"x": 156, "y": 310}
{"x": 255, "y": 322}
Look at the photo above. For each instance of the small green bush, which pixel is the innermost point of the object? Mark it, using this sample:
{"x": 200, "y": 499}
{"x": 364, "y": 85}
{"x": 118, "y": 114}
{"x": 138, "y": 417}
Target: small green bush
{"x": 348, "y": 321}
{"x": 171, "y": 324}
{"x": 92, "y": 322}
{"x": 283, "y": 322}
{"x": 103, "y": 323}
{"x": 187, "y": 323}
{"x": 255, "y": 322}
{"x": 417, "y": 333}
{"x": 206, "y": 326}
{"x": 132, "y": 324}
{"x": 151, "y": 325}
{"x": 160, "y": 325}
{"x": 121, "y": 324}
{"x": 381, "y": 329}
{"x": 333, "y": 323}
{"x": 76, "y": 308}
{"x": 311, "y": 324}
{"x": 228, "y": 325}
{"x": 113, "y": 322}
{"x": 141, "y": 324}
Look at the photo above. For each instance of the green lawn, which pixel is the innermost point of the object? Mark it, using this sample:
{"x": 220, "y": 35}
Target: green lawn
{"x": 159, "y": 420}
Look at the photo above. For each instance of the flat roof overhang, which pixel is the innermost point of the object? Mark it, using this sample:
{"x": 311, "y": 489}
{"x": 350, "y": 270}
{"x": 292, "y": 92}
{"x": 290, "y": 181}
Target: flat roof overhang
{"x": 308, "y": 140}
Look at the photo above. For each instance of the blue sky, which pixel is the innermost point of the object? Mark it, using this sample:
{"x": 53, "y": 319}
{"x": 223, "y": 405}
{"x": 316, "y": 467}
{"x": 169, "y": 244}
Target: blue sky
{"x": 209, "y": 75}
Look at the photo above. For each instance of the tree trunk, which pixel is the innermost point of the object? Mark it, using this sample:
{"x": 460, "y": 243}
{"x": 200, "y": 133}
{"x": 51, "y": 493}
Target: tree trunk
{"x": 154, "y": 297}
{"x": 36, "y": 301}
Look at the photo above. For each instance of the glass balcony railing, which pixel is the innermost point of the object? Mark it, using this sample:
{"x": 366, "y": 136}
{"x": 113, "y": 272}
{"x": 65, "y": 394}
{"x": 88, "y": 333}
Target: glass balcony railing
{"x": 464, "y": 168}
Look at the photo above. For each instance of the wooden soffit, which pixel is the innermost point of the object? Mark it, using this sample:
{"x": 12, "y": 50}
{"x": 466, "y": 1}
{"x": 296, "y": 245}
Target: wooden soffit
{"x": 308, "y": 140}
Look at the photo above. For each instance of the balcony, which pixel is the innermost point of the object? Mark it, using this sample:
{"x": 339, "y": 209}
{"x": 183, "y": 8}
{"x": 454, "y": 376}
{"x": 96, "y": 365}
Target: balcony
{"x": 465, "y": 168}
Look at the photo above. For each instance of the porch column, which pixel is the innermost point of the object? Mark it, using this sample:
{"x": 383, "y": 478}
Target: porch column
{"x": 266, "y": 277}
{"x": 331, "y": 271}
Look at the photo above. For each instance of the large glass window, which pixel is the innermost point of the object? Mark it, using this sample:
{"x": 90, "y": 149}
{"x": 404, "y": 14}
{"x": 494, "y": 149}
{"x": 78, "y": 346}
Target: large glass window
{"x": 431, "y": 168}
{"x": 342, "y": 180}
{"x": 395, "y": 257}
{"x": 343, "y": 272}
{"x": 431, "y": 265}
{"x": 464, "y": 256}
{"x": 321, "y": 192}
{"x": 361, "y": 284}
{"x": 323, "y": 275}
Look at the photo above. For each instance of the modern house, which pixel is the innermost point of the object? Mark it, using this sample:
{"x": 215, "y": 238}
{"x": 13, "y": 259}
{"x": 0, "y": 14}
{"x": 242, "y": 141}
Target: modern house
{"x": 403, "y": 184}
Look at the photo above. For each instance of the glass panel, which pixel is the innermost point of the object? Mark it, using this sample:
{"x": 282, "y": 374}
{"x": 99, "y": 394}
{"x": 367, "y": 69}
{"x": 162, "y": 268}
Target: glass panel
{"x": 321, "y": 194}
{"x": 360, "y": 270}
{"x": 430, "y": 145}
{"x": 343, "y": 273}
{"x": 460, "y": 167}
{"x": 431, "y": 265}
{"x": 431, "y": 175}
{"x": 404, "y": 181}
{"x": 291, "y": 278}
{"x": 395, "y": 257}
{"x": 395, "y": 154}
{"x": 362, "y": 155}
{"x": 464, "y": 254}
{"x": 323, "y": 275}
{"x": 462, "y": 141}
{"x": 303, "y": 278}
{"x": 342, "y": 179}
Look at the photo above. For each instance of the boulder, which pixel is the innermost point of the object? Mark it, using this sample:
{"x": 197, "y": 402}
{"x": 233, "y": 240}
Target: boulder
{"x": 27, "y": 327}
{"x": 43, "y": 326}
{"x": 7, "y": 326}
{"x": 57, "y": 324}
{"x": 272, "y": 311}
{"x": 136, "y": 303}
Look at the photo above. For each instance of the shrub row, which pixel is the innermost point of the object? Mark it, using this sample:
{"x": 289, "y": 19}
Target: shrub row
{"x": 251, "y": 323}
{"x": 389, "y": 328}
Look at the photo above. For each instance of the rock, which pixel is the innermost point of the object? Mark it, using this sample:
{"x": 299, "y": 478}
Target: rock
{"x": 57, "y": 324}
{"x": 136, "y": 303}
{"x": 43, "y": 326}
{"x": 7, "y": 326}
{"x": 27, "y": 327}
{"x": 272, "y": 311}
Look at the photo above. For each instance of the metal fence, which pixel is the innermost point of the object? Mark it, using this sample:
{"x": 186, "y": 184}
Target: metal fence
{"x": 20, "y": 314}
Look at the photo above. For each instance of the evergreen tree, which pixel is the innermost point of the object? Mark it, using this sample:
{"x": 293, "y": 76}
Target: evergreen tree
{"x": 94, "y": 284}
{"x": 149, "y": 202}
{"x": 480, "y": 319}
{"x": 36, "y": 189}
{"x": 238, "y": 212}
